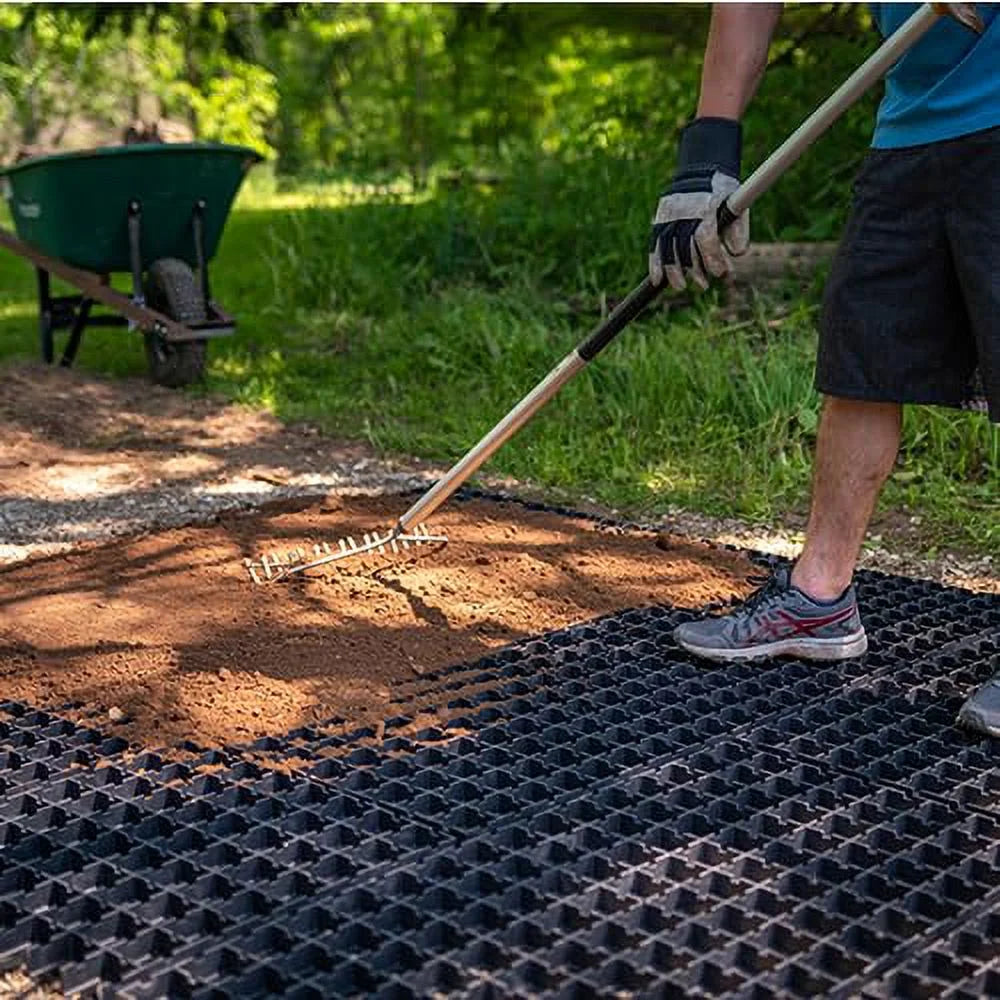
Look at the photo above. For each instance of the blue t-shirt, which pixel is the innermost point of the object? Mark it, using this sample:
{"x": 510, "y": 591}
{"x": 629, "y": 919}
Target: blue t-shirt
{"x": 947, "y": 85}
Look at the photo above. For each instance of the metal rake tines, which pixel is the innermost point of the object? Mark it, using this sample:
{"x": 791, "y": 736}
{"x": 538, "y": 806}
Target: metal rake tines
{"x": 277, "y": 565}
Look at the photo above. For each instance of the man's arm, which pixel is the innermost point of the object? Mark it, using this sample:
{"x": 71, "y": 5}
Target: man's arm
{"x": 685, "y": 242}
{"x": 735, "y": 57}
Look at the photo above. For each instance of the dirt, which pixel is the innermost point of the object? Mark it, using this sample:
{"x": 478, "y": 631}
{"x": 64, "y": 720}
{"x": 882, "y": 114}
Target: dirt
{"x": 58, "y": 416}
{"x": 162, "y": 638}
{"x": 170, "y": 631}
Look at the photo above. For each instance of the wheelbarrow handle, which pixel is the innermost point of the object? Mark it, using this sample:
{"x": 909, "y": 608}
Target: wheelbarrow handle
{"x": 760, "y": 181}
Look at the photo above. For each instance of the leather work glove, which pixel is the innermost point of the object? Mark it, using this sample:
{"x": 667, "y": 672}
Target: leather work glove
{"x": 685, "y": 241}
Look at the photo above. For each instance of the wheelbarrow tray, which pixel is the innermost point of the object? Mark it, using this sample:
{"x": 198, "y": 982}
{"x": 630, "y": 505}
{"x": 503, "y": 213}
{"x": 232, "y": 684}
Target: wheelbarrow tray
{"x": 74, "y": 206}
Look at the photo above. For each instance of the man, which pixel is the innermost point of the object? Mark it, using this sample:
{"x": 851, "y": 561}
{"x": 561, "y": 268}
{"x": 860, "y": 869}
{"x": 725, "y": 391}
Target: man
{"x": 911, "y": 310}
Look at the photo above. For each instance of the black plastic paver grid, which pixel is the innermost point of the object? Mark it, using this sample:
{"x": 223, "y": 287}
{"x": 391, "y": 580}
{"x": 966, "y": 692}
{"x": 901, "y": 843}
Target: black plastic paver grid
{"x": 617, "y": 819}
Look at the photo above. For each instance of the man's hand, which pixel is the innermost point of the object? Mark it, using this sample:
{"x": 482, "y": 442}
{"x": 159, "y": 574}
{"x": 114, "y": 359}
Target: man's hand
{"x": 685, "y": 241}
{"x": 965, "y": 13}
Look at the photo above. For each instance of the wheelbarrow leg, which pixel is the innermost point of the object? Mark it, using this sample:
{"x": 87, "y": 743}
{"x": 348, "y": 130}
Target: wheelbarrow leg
{"x": 135, "y": 251}
{"x": 76, "y": 332}
{"x": 45, "y": 318}
{"x": 198, "y": 225}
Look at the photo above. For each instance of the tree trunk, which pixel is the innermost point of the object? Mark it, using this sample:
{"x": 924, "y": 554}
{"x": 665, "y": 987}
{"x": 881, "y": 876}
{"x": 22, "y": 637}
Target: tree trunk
{"x": 28, "y": 104}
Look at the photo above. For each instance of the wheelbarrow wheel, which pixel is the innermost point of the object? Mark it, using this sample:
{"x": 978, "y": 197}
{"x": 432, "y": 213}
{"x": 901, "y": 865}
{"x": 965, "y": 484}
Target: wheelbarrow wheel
{"x": 171, "y": 288}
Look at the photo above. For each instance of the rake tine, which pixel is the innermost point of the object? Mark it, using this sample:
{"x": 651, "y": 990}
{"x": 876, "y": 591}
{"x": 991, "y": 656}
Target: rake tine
{"x": 426, "y": 535}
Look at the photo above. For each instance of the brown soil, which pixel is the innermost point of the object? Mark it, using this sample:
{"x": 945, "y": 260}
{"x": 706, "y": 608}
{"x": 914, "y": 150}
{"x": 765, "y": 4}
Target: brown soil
{"x": 169, "y": 630}
{"x": 128, "y": 432}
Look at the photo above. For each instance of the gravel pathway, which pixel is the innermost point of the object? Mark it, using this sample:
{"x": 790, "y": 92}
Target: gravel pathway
{"x": 878, "y": 554}
{"x": 44, "y": 526}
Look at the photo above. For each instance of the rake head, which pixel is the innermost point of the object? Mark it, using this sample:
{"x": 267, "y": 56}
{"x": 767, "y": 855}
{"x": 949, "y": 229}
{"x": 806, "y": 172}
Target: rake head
{"x": 275, "y": 566}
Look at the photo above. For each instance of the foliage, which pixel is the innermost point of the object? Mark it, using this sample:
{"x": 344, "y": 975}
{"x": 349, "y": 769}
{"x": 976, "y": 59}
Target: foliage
{"x": 429, "y": 92}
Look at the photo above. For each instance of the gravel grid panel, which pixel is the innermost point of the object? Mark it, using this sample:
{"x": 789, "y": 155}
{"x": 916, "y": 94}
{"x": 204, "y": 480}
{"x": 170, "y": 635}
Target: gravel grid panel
{"x": 613, "y": 817}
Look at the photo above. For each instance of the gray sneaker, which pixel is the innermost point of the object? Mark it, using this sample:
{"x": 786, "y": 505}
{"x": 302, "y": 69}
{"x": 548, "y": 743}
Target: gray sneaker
{"x": 981, "y": 711}
{"x": 779, "y": 620}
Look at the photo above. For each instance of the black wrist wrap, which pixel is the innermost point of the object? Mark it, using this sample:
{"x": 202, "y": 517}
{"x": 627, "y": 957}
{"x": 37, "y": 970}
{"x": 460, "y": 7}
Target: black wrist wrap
{"x": 709, "y": 145}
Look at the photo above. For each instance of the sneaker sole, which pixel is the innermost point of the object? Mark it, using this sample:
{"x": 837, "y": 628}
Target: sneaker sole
{"x": 973, "y": 722}
{"x": 846, "y": 648}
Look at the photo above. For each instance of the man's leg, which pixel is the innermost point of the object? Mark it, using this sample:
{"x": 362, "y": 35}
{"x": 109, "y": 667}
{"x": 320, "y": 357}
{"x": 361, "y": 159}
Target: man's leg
{"x": 855, "y": 452}
{"x": 813, "y": 611}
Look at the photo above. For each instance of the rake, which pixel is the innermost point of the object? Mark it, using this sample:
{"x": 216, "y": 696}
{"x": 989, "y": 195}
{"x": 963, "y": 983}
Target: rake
{"x": 410, "y": 529}
{"x": 277, "y": 565}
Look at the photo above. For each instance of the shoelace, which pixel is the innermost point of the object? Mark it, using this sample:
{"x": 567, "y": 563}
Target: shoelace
{"x": 763, "y": 594}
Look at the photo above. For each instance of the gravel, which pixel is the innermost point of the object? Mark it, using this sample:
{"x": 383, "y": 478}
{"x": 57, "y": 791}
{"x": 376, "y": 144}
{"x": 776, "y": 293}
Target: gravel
{"x": 16, "y": 984}
{"x": 959, "y": 571}
{"x": 31, "y": 526}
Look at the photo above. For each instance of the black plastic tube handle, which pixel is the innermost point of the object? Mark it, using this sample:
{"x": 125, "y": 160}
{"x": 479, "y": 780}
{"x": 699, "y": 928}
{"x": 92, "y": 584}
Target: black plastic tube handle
{"x": 619, "y": 318}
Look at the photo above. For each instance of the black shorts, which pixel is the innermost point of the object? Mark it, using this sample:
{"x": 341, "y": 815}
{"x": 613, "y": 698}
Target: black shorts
{"x": 911, "y": 312}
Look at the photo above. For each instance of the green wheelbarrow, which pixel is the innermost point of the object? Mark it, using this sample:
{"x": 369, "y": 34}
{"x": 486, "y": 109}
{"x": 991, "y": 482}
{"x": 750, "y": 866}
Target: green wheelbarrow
{"x": 153, "y": 211}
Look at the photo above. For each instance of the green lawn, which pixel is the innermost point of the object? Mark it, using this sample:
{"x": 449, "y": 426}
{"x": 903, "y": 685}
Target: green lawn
{"x": 417, "y": 325}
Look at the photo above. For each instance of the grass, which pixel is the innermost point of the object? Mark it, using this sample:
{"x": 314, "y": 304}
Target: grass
{"x": 417, "y": 323}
